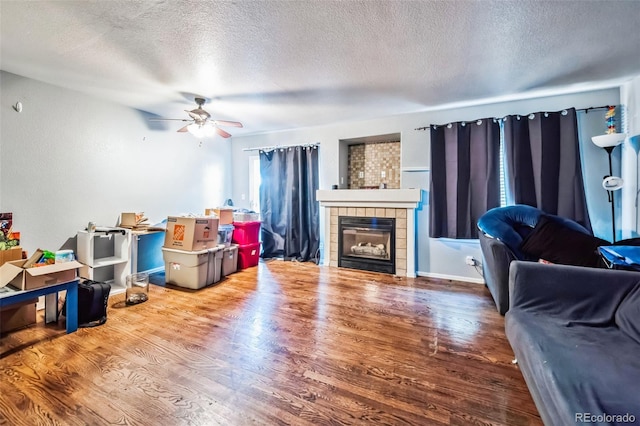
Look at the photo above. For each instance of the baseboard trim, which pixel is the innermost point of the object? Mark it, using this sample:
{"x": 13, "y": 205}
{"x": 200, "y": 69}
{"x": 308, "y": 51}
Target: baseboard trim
{"x": 450, "y": 277}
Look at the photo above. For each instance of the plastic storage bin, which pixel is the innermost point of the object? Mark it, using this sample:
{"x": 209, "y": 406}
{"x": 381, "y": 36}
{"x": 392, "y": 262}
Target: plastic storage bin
{"x": 230, "y": 260}
{"x": 186, "y": 268}
{"x": 246, "y": 217}
{"x": 215, "y": 264}
{"x": 248, "y": 255}
{"x": 246, "y": 232}
{"x": 225, "y": 233}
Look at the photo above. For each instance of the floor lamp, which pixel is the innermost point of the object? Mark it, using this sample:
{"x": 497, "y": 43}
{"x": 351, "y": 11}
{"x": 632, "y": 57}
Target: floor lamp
{"x": 611, "y": 183}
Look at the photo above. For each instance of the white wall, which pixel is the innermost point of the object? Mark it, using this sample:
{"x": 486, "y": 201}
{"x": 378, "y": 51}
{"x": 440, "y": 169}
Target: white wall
{"x": 68, "y": 159}
{"x": 435, "y": 257}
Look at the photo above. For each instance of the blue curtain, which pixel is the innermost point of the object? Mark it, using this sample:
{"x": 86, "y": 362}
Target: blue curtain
{"x": 288, "y": 205}
{"x": 465, "y": 176}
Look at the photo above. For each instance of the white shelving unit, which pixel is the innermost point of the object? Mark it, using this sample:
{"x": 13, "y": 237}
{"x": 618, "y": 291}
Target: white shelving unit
{"x": 107, "y": 256}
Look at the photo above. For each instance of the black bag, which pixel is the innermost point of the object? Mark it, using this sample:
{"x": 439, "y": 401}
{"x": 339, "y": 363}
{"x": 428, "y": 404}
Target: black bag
{"x": 93, "y": 298}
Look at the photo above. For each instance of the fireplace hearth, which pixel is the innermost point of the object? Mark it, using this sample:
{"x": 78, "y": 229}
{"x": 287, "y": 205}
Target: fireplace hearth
{"x": 367, "y": 243}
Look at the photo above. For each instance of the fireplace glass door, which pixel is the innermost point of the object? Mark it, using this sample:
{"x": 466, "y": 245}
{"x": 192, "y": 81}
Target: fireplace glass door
{"x": 367, "y": 243}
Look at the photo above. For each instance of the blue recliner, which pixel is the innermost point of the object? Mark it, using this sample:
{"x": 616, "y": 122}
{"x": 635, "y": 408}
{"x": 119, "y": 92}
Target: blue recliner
{"x": 502, "y": 231}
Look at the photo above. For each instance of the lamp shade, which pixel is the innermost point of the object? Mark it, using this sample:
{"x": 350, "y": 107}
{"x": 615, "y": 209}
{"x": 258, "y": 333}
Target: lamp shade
{"x": 609, "y": 140}
{"x": 634, "y": 142}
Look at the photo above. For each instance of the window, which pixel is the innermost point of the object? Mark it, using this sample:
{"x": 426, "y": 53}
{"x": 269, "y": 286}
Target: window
{"x": 254, "y": 183}
{"x": 503, "y": 169}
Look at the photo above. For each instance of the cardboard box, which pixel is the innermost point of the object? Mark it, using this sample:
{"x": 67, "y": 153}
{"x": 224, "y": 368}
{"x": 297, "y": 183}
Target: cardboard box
{"x": 15, "y": 274}
{"x": 17, "y": 316}
{"x": 33, "y": 259}
{"x": 191, "y": 233}
{"x": 225, "y": 215}
{"x": 129, "y": 220}
{"x": 14, "y": 253}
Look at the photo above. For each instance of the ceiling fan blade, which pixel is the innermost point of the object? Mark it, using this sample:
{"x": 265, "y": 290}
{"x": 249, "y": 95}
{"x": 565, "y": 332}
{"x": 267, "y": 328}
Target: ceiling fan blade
{"x": 222, "y": 133}
{"x": 184, "y": 129}
{"x": 227, "y": 123}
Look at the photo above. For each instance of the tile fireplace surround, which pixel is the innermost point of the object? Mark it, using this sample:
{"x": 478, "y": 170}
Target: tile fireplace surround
{"x": 397, "y": 203}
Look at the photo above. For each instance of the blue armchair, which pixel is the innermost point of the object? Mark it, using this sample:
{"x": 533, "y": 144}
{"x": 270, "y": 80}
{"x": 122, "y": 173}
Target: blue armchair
{"x": 502, "y": 231}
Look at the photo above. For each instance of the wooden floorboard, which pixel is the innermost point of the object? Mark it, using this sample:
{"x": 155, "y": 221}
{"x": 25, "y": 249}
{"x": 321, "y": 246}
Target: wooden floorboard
{"x": 284, "y": 343}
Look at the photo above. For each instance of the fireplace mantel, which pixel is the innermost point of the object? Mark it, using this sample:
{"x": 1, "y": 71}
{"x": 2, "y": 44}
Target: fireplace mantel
{"x": 398, "y": 203}
{"x": 385, "y": 198}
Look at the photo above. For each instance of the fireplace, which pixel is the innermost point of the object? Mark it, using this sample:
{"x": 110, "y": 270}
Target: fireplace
{"x": 398, "y": 204}
{"x": 367, "y": 243}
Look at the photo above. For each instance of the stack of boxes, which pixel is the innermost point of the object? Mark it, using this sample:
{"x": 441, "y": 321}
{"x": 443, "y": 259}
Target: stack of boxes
{"x": 191, "y": 253}
{"x": 247, "y": 235}
{"x": 199, "y": 251}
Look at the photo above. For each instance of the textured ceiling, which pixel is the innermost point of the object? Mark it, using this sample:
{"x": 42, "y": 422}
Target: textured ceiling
{"x": 287, "y": 64}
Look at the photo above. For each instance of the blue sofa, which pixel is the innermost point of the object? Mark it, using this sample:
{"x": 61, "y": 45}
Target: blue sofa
{"x": 575, "y": 332}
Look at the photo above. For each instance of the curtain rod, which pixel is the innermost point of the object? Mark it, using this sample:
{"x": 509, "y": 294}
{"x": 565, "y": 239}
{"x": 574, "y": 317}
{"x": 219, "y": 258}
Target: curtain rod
{"x": 593, "y": 108}
{"x": 273, "y": 147}
{"x": 586, "y": 110}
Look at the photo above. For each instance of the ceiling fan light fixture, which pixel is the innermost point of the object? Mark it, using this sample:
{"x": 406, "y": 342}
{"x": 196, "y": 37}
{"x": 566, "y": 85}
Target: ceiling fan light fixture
{"x": 208, "y": 131}
{"x": 201, "y": 124}
{"x": 201, "y": 130}
{"x": 196, "y": 130}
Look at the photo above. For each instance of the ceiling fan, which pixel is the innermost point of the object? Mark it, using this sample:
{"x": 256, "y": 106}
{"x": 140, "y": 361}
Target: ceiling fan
{"x": 200, "y": 122}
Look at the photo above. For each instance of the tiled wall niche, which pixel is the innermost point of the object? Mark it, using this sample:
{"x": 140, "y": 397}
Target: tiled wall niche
{"x": 368, "y": 162}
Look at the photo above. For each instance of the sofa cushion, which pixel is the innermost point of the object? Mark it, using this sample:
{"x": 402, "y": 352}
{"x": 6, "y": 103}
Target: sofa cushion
{"x": 628, "y": 314}
{"x": 555, "y": 242}
{"x": 572, "y": 369}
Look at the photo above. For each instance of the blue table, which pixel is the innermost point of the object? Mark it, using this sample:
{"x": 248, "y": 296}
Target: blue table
{"x": 621, "y": 257}
{"x": 10, "y": 296}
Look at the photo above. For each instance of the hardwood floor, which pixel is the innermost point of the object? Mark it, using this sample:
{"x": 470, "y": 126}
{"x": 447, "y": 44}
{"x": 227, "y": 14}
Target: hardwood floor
{"x": 282, "y": 343}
